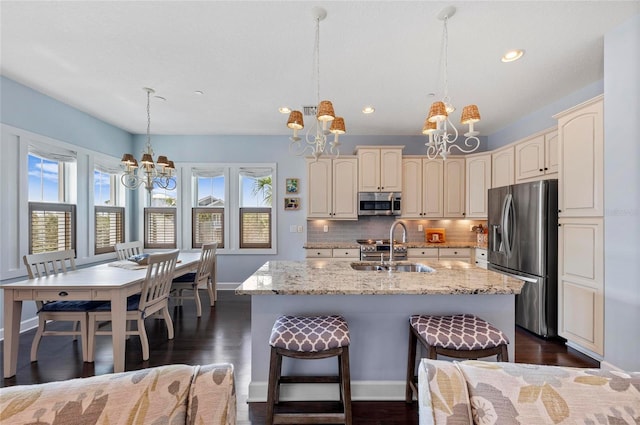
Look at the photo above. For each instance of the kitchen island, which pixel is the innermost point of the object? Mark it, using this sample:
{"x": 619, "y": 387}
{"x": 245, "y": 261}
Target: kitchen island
{"x": 377, "y": 306}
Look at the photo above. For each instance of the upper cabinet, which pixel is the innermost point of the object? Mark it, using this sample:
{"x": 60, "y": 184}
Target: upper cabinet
{"x": 333, "y": 188}
{"x": 478, "y": 177}
{"x": 454, "y": 185}
{"x": 423, "y": 185}
{"x": 380, "y": 168}
{"x": 580, "y": 157}
{"x": 537, "y": 157}
{"x": 502, "y": 172}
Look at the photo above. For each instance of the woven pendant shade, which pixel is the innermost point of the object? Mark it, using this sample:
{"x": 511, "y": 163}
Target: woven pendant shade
{"x": 437, "y": 112}
{"x": 470, "y": 114}
{"x": 337, "y": 126}
{"x": 429, "y": 127}
{"x": 325, "y": 111}
{"x": 295, "y": 121}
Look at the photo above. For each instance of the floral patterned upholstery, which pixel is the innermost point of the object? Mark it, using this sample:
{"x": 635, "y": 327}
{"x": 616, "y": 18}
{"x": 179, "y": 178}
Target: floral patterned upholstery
{"x": 309, "y": 333}
{"x": 486, "y": 393}
{"x": 463, "y": 332}
{"x": 174, "y": 394}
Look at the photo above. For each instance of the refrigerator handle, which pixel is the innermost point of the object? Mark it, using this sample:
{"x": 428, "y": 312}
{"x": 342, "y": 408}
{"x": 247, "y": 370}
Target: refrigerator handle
{"x": 506, "y": 225}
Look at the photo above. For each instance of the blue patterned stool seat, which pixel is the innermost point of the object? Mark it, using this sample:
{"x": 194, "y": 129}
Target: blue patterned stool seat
{"x": 309, "y": 334}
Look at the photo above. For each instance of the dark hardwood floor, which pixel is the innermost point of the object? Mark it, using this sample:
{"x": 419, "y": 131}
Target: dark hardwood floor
{"x": 223, "y": 334}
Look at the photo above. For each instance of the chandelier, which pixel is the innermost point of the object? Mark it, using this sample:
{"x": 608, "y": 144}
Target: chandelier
{"x": 161, "y": 174}
{"x": 315, "y": 142}
{"x": 441, "y": 131}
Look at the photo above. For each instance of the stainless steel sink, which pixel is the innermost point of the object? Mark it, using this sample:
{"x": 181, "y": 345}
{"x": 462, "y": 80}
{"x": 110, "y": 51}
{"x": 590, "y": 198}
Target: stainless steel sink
{"x": 396, "y": 267}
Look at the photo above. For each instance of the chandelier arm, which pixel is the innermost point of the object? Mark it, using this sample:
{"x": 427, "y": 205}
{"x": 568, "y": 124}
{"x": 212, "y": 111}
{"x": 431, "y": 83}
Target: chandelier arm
{"x": 472, "y": 143}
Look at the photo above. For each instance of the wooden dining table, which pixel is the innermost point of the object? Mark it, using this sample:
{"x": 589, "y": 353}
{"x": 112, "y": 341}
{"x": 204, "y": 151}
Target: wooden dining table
{"x": 102, "y": 282}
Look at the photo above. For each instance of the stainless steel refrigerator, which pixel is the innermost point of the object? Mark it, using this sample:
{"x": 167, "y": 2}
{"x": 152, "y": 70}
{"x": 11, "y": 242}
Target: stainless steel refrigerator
{"x": 523, "y": 243}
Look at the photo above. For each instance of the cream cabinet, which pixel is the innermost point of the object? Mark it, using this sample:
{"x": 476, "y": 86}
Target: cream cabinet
{"x": 502, "y": 167}
{"x": 380, "y": 168}
{"x": 537, "y": 157}
{"x": 454, "y": 188}
{"x": 462, "y": 254}
{"x": 351, "y": 254}
{"x": 581, "y": 220}
{"x": 423, "y": 185}
{"x": 481, "y": 257}
{"x": 581, "y": 165}
{"x": 581, "y": 282}
{"x": 478, "y": 182}
{"x": 417, "y": 254}
{"x": 333, "y": 188}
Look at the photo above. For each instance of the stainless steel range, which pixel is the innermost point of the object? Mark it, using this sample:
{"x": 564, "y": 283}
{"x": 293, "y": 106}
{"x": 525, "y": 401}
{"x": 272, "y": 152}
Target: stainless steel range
{"x": 372, "y": 250}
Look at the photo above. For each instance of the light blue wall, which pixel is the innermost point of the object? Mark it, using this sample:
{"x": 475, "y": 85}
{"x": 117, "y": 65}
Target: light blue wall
{"x": 541, "y": 119}
{"x": 622, "y": 195}
{"x": 28, "y": 109}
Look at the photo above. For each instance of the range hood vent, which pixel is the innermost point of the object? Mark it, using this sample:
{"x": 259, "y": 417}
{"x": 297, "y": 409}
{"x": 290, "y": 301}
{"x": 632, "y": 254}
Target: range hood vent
{"x": 310, "y": 111}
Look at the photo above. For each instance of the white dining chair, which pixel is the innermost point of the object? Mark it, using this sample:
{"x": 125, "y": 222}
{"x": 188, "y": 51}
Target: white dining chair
{"x": 188, "y": 285}
{"x": 124, "y": 250}
{"x": 153, "y": 298}
{"x": 47, "y": 264}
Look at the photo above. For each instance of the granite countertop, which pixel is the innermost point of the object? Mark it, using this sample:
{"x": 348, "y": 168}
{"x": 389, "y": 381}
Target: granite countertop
{"x": 318, "y": 277}
{"x": 325, "y": 245}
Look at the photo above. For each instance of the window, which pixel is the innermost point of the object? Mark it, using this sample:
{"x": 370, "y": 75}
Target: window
{"x": 51, "y": 184}
{"x": 255, "y": 207}
{"x": 109, "y": 218}
{"x": 207, "y": 220}
{"x": 160, "y": 228}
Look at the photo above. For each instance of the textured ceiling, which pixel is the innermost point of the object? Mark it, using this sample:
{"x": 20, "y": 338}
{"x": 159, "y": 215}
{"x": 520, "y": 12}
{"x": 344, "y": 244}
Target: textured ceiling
{"x": 249, "y": 58}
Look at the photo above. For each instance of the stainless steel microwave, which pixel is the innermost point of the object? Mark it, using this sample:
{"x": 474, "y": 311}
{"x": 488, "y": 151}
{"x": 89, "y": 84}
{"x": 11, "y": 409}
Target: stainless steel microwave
{"x": 379, "y": 203}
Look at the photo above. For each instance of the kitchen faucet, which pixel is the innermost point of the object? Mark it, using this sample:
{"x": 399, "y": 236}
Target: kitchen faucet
{"x": 404, "y": 237}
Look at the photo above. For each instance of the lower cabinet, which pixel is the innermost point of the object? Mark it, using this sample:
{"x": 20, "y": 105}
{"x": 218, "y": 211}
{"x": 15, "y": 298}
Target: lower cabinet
{"x": 481, "y": 258}
{"x": 417, "y": 254}
{"x": 581, "y": 282}
{"x": 351, "y": 254}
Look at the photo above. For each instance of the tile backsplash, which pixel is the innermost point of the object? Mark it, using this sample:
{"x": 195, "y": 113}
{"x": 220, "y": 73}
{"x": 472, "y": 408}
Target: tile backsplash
{"x": 377, "y": 227}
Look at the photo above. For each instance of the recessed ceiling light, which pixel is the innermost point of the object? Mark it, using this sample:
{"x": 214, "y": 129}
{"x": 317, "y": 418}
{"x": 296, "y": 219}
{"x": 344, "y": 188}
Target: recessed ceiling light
{"x": 199, "y": 92}
{"x": 512, "y": 55}
{"x": 368, "y": 110}
{"x": 284, "y": 110}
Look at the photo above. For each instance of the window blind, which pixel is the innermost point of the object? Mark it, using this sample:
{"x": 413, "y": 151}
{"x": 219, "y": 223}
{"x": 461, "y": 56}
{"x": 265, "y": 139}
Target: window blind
{"x": 51, "y": 227}
{"x": 255, "y": 227}
{"x": 109, "y": 224}
{"x": 160, "y": 228}
{"x": 208, "y": 226}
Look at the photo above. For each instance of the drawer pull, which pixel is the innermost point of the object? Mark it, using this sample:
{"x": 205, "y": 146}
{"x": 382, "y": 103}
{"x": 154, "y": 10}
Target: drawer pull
{"x": 63, "y": 293}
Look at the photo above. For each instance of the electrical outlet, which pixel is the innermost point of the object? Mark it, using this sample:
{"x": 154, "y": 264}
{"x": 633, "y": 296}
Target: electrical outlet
{"x": 292, "y": 228}
{"x": 420, "y": 228}
{"x": 300, "y": 229}
{"x": 326, "y": 228}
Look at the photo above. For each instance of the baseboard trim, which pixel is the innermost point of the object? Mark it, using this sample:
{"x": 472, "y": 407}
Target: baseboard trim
{"x": 360, "y": 391}
{"x": 585, "y": 351}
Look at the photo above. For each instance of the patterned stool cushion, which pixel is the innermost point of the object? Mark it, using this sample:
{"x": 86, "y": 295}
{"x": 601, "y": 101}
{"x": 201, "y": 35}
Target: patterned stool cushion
{"x": 309, "y": 333}
{"x": 462, "y": 332}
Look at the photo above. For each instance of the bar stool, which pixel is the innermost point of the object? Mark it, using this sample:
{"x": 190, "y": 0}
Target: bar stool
{"x": 462, "y": 336}
{"x": 309, "y": 337}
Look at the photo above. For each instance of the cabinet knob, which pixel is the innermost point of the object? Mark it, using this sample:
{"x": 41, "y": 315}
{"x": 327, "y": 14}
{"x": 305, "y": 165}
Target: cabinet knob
{"x": 542, "y": 169}
{"x": 63, "y": 293}
{"x": 559, "y": 225}
{"x": 546, "y": 168}
{"x": 559, "y": 211}
{"x": 464, "y": 213}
